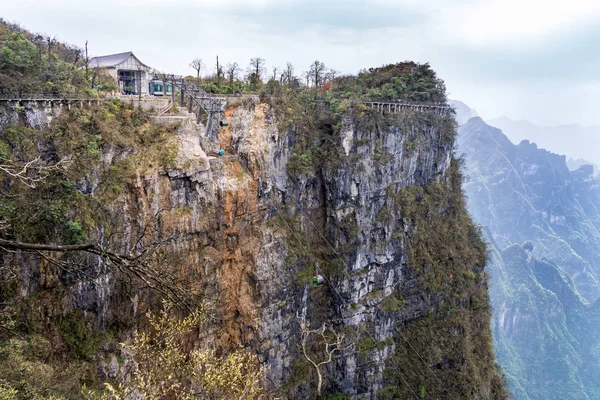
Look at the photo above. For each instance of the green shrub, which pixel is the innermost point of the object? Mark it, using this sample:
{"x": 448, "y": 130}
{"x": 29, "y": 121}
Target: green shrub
{"x": 82, "y": 342}
{"x": 367, "y": 344}
{"x": 393, "y": 303}
{"x": 26, "y": 371}
{"x": 469, "y": 275}
{"x": 301, "y": 164}
{"x": 28, "y": 65}
{"x": 74, "y": 233}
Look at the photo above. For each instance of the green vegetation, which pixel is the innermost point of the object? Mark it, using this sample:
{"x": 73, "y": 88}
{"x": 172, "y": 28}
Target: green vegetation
{"x": 367, "y": 344}
{"x": 447, "y": 255}
{"x": 79, "y": 138}
{"x": 165, "y": 369}
{"x": 317, "y": 115}
{"x": 236, "y": 86}
{"x": 82, "y": 342}
{"x": 34, "y": 64}
{"x": 393, "y": 303}
{"x": 74, "y": 233}
{"x": 301, "y": 164}
{"x": 29, "y": 369}
{"x": 305, "y": 249}
{"x": 401, "y": 81}
{"x": 43, "y": 353}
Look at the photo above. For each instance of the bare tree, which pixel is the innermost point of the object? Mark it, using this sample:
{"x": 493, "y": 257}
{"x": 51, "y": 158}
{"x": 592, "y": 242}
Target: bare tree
{"x": 31, "y": 172}
{"x": 232, "y": 69}
{"x": 87, "y": 60}
{"x": 318, "y": 72}
{"x": 219, "y": 72}
{"x": 197, "y": 64}
{"x": 330, "y": 343}
{"x": 332, "y": 74}
{"x": 256, "y": 69}
{"x": 146, "y": 263}
{"x": 288, "y": 74}
{"x": 75, "y": 61}
{"x": 87, "y": 66}
{"x": 51, "y": 41}
{"x": 306, "y": 75}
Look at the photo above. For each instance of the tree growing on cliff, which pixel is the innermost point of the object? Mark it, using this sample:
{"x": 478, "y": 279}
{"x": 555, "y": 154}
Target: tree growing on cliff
{"x": 161, "y": 368}
{"x": 306, "y": 76}
{"x": 144, "y": 265}
{"x": 197, "y": 64}
{"x": 288, "y": 78}
{"x": 255, "y": 71}
{"x": 219, "y": 69}
{"x": 321, "y": 351}
{"x": 318, "y": 73}
{"x": 232, "y": 70}
{"x": 31, "y": 172}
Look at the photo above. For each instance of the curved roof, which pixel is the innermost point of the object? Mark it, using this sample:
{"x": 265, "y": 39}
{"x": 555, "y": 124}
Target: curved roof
{"x": 112, "y": 60}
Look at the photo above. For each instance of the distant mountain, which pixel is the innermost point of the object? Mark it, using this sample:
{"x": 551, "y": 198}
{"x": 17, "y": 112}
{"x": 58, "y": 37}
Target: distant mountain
{"x": 542, "y": 223}
{"x": 525, "y": 193}
{"x": 463, "y": 111}
{"x": 574, "y": 165}
{"x": 546, "y": 337}
{"x": 574, "y": 141}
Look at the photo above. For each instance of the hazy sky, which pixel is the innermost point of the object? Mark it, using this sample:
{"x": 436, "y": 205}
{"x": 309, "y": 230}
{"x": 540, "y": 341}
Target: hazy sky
{"x": 527, "y": 59}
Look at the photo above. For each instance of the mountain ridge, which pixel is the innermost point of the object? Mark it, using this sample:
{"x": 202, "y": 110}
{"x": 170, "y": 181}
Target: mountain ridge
{"x": 541, "y": 225}
{"x": 572, "y": 140}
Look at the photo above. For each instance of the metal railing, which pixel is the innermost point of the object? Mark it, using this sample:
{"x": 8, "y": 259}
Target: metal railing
{"x": 409, "y": 103}
{"x": 212, "y": 105}
{"x": 44, "y": 96}
{"x": 395, "y": 106}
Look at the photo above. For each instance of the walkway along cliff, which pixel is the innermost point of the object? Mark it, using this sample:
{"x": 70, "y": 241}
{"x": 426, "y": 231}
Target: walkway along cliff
{"x": 369, "y": 198}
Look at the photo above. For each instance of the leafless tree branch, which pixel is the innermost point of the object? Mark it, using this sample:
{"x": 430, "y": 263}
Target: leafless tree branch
{"x": 33, "y": 171}
{"x": 140, "y": 264}
{"x": 334, "y": 342}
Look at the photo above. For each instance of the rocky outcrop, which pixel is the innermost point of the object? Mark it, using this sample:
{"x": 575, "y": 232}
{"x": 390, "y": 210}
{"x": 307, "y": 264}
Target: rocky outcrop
{"x": 251, "y": 236}
{"x": 341, "y": 210}
{"x": 31, "y": 114}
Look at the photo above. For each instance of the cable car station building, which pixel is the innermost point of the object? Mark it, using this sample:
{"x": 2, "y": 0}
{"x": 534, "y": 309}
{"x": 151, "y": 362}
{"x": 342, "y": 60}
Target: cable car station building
{"x": 133, "y": 76}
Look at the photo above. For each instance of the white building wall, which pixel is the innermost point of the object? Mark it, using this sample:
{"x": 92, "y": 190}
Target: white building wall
{"x": 113, "y": 72}
{"x": 146, "y": 78}
{"x": 132, "y": 64}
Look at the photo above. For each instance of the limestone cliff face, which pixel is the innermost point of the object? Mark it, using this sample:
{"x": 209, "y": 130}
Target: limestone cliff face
{"x": 252, "y": 235}
{"x": 339, "y": 211}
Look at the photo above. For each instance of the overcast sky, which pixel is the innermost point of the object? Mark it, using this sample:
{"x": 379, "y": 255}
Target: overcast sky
{"x": 527, "y": 59}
